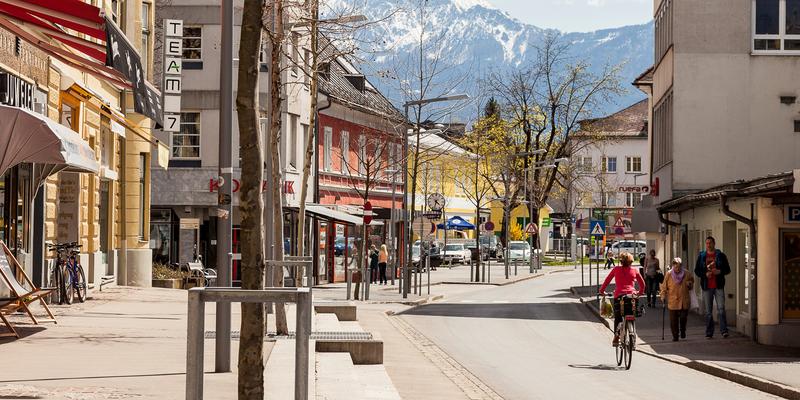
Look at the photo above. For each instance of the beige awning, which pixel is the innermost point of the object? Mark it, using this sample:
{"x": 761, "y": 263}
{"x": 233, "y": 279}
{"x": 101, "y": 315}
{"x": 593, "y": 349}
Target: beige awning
{"x": 338, "y": 216}
{"x": 26, "y": 137}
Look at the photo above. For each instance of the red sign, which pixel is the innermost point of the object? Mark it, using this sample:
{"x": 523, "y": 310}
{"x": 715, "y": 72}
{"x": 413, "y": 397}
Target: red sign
{"x": 654, "y": 187}
{"x": 367, "y": 213}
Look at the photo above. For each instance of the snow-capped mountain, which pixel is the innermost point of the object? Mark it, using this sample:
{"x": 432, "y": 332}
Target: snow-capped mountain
{"x": 477, "y": 37}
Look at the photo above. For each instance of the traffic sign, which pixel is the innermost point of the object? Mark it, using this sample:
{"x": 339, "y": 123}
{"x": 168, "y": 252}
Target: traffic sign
{"x": 597, "y": 228}
{"x": 531, "y": 229}
{"x": 367, "y": 213}
{"x": 546, "y": 222}
{"x": 432, "y": 214}
{"x": 489, "y": 226}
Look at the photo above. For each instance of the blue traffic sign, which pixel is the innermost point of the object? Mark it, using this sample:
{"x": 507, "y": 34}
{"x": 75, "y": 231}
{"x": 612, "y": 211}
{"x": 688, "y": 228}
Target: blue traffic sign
{"x": 597, "y": 228}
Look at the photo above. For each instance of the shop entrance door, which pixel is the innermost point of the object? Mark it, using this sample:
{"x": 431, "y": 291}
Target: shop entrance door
{"x": 105, "y": 231}
{"x": 790, "y": 274}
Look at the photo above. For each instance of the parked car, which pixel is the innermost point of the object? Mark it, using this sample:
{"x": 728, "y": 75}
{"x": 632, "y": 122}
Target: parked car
{"x": 636, "y": 247}
{"x": 519, "y": 251}
{"x": 339, "y": 245}
{"x": 494, "y": 246}
{"x": 428, "y": 249}
{"x": 473, "y": 249}
{"x": 456, "y": 252}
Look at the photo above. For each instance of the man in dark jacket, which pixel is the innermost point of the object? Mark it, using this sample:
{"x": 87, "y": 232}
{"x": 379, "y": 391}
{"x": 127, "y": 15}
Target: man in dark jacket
{"x": 711, "y": 267}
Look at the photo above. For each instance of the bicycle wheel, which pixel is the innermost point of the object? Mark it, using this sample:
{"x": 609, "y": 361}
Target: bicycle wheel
{"x": 80, "y": 285}
{"x": 620, "y": 350}
{"x": 630, "y": 343}
{"x": 53, "y": 281}
{"x": 67, "y": 289}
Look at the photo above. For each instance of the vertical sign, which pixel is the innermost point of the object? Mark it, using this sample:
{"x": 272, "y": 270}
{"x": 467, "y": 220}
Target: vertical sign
{"x": 173, "y": 51}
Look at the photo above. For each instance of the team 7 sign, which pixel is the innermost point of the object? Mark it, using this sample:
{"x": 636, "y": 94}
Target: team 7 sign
{"x": 173, "y": 51}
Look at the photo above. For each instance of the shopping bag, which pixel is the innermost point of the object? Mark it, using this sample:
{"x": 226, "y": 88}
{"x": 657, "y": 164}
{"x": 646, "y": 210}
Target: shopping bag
{"x": 694, "y": 303}
{"x": 606, "y": 308}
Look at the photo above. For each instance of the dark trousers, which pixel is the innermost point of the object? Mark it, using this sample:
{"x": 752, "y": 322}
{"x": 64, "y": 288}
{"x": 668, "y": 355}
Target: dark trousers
{"x": 373, "y": 274}
{"x": 620, "y": 310}
{"x": 652, "y": 290}
{"x": 609, "y": 263}
{"x": 382, "y": 272}
{"x": 677, "y": 322}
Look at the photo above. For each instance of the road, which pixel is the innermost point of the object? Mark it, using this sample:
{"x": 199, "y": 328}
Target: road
{"x": 532, "y": 340}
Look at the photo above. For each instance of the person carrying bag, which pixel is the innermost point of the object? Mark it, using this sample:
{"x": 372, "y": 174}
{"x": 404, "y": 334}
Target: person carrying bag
{"x": 676, "y": 294}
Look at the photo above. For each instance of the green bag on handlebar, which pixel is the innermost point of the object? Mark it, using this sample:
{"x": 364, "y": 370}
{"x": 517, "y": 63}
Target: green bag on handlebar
{"x": 606, "y": 308}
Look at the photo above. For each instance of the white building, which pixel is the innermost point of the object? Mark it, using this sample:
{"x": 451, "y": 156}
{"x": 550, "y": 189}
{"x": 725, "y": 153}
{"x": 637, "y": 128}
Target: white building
{"x": 184, "y": 198}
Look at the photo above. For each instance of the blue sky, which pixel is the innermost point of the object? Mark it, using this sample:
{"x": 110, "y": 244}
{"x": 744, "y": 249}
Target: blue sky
{"x": 578, "y": 15}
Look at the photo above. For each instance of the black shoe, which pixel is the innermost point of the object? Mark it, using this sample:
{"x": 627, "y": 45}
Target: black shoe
{"x": 675, "y": 339}
{"x": 725, "y": 335}
{"x": 709, "y": 337}
{"x": 683, "y": 335}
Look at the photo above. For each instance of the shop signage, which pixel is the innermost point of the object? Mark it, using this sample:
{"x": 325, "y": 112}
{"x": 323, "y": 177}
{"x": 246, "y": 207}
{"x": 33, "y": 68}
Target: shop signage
{"x": 173, "y": 51}
{"x": 15, "y": 91}
{"x": 121, "y": 56}
{"x": 190, "y": 223}
{"x": 644, "y": 189}
{"x": 792, "y": 214}
{"x": 546, "y": 221}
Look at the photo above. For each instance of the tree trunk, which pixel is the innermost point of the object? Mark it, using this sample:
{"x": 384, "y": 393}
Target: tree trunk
{"x": 251, "y": 204}
{"x": 276, "y": 87}
{"x": 312, "y": 132}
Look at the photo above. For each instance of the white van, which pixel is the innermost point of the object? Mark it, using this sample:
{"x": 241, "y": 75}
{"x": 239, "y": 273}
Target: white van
{"x": 636, "y": 247}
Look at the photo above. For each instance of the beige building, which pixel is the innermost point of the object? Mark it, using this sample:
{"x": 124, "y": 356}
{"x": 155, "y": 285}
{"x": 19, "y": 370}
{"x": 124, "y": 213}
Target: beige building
{"x": 107, "y": 212}
{"x": 724, "y": 144}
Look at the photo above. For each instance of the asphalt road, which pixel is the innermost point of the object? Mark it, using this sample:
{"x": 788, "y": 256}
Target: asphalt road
{"x": 532, "y": 340}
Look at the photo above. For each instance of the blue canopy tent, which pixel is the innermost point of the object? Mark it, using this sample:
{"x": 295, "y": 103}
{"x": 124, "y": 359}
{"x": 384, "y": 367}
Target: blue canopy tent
{"x": 456, "y": 223}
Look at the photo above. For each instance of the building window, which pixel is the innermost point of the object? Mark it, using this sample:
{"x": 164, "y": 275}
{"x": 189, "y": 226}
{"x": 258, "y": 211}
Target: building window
{"x": 776, "y": 26}
{"x": 192, "y": 44}
{"x": 633, "y": 164}
{"x": 662, "y": 132}
{"x": 585, "y": 164}
{"x": 146, "y": 28}
{"x": 663, "y": 29}
{"x": 609, "y": 164}
{"x": 115, "y": 11}
{"x": 291, "y": 143}
{"x": 327, "y": 150}
{"x": 344, "y": 147}
{"x": 186, "y": 143}
{"x": 609, "y": 199}
{"x": 632, "y": 199}
{"x": 296, "y": 62}
{"x": 362, "y": 154}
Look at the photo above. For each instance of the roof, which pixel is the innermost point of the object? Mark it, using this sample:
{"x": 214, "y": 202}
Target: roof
{"x": 646, "y": 78}
{"x": 341, "y": 84}
{"x": 628, "y": 122}
{"x": 776, "y": 184}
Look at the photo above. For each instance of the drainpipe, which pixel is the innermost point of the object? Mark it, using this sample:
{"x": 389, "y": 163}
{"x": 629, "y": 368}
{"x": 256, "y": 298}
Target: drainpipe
{"x": 751, "y": 223}
{"x": 315, "y": 231}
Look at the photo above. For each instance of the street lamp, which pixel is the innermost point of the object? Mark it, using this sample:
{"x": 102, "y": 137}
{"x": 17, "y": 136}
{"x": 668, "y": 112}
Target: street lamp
{"x": 392, "y": 234}
{"x": 407, "y": 229}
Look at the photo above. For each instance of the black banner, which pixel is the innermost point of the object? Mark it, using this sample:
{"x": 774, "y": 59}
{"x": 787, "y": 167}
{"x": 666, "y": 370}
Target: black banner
{"x": 121, "y": 56}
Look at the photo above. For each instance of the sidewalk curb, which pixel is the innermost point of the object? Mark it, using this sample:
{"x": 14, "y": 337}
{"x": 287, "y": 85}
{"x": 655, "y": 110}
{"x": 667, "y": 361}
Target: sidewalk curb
{"x": 412, "y": 303}
{"x": 709, "y": 368}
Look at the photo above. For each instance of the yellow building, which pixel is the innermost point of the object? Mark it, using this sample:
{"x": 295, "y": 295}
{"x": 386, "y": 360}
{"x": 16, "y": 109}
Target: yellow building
{"x": 520, "y": 216}
{"x": 106, "y": 212}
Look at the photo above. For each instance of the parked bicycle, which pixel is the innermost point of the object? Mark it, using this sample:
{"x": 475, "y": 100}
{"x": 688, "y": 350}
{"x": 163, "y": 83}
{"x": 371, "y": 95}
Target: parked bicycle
{"x": 629, "y": 307}
{"x": 70, "y": 278}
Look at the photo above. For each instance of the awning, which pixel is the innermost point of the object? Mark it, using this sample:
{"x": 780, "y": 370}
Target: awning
{"x": 337, "y": 216}
{"x": 645, "y": 217}
{"x": 26, "y": 137}
{"x": 456, "y": 223}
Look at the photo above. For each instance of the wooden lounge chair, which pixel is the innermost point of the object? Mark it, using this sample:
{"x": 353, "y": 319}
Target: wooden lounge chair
{"x": 11, "y": 331}
{"x": 20, "y": 296}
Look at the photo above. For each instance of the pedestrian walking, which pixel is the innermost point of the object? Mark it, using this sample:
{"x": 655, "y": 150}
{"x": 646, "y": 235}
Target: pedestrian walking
{"x": 610, "y": 258}
{"x": 711, "y": 267}
{"x": 383, "y": 259}
{"x": 373, "y": 264}
{"x": 653, "y": 277}
{"x": 677, "y": 298}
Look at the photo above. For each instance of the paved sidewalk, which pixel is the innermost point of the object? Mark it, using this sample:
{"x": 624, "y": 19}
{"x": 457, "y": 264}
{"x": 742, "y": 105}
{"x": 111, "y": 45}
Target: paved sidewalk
{"x": 772, "y": 369}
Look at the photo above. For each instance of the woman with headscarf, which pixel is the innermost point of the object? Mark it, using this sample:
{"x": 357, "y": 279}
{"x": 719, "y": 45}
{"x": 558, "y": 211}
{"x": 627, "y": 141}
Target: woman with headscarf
{"x": 675, "y": 294}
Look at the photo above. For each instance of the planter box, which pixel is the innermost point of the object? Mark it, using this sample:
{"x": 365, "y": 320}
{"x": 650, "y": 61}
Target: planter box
{"x": 168, "y": 283}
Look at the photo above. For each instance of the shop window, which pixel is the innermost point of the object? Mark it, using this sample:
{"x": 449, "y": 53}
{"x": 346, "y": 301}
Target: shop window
{"x": 790, "y": 274}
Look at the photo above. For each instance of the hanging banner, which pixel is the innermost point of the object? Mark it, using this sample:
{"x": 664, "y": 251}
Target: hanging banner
{"x": 122, "y": 56}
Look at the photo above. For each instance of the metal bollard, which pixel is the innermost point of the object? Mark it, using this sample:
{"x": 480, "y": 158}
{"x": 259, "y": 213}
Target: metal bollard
{"x": 302, "y": 336}
{"x": 194, "y": 343}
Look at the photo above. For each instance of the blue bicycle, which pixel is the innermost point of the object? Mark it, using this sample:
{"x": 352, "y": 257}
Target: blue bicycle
{"x": 71, "y": 279}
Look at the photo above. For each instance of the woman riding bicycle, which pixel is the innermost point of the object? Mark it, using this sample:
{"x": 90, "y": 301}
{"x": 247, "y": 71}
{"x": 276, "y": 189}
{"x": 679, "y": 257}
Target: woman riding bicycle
{"x": 624, "y": 277}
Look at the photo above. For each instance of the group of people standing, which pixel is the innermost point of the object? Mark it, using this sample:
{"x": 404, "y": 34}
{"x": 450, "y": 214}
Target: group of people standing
{"x": 378, "y": 260}
{"x": 676, "y": 288}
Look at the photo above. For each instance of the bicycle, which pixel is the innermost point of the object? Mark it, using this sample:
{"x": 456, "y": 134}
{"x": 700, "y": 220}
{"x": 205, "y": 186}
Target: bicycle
{"x": 627, "y": 329}
{"x": 71, "y": 278}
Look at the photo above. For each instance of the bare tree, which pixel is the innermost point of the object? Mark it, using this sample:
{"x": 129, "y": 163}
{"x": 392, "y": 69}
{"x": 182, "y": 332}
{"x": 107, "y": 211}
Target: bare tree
{"x": 251, "y": 206}
{"x": 547, "y": 101}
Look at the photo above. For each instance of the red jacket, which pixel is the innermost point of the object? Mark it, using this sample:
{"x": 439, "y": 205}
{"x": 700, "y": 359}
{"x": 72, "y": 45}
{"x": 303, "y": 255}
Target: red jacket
{"x": 624, "y": 277}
